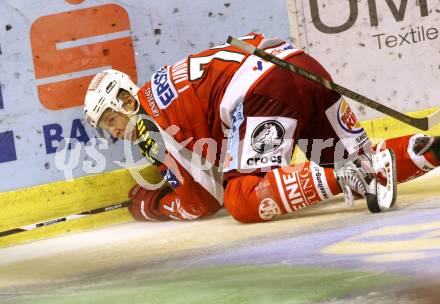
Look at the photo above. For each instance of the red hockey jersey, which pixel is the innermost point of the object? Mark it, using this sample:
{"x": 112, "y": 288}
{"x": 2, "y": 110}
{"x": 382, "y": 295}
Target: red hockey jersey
{"x": 194, "y": 100}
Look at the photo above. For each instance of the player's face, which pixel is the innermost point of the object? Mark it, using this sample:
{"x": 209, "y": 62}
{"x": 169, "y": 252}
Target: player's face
{"x": 115, "y": 123}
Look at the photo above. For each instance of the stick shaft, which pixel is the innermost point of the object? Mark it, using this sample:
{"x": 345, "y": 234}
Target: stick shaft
{"x": 420, "y": 123}
{"x": 65, "y": 219}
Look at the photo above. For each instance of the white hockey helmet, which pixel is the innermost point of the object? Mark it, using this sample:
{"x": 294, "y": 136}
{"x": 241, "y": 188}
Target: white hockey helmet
{"x": 102, "y": 94}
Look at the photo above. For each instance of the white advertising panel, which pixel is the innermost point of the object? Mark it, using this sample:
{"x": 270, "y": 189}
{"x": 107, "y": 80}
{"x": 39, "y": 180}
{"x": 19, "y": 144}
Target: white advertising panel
{"x": 388, "y": 50}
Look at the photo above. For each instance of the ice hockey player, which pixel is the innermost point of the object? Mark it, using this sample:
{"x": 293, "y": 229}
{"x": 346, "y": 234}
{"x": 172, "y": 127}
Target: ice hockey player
{"x": 224, "y": 109}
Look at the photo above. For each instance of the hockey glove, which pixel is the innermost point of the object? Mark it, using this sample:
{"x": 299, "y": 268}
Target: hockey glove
{"x": 145, "y": 206}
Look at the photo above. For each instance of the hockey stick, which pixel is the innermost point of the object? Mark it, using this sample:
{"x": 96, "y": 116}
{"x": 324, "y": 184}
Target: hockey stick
{"x": 424, "y": 123}
{"x": 65, "y": 219}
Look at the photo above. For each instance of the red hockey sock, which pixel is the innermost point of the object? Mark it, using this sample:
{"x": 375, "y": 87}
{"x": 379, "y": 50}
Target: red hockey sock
{"x": 414, "y": 156}
{"x": 302, "y": 185}
{"x": 255, "y": 199}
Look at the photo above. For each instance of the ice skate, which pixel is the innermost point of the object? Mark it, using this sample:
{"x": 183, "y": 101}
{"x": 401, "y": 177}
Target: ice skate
{"x": 373, "y": 177}
{"x": 427, "y": 143}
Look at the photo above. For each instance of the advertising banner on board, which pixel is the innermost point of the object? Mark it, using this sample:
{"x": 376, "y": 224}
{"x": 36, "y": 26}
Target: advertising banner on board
{"x": 50, "y": 50}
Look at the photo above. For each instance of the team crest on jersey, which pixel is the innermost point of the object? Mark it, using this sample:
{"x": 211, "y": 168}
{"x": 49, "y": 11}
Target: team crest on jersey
{"x": 268, "y": 209}
{"x": 163, "y": 89}
{"x": 267, "y": 136}
{"x": 347, "y": 119}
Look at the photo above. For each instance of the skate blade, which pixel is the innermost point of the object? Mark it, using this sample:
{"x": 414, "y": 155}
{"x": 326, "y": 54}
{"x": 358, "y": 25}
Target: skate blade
{"x": 385, "y": 163}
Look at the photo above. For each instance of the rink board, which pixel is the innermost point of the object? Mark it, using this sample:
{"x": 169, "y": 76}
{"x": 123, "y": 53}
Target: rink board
{"x": 59, "y": 199}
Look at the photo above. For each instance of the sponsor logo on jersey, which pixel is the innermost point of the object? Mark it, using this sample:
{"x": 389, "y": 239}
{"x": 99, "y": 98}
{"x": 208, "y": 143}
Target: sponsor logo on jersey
{"x": 347, "y": 119}
{"x": 152, "y": 102}
{"x": 267, "y": 142}
{"x": 163, "y": 89}
{"x": 169, "y": 176}
{"x": 231, "y": 159}
{"x": 265, "y": 160}
{"x": 347, "y": 128}
{"x": 267, "y": 136}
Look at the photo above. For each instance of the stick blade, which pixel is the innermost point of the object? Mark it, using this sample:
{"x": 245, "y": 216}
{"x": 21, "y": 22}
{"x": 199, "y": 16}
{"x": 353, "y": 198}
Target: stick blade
{"x": 434, "y": 119}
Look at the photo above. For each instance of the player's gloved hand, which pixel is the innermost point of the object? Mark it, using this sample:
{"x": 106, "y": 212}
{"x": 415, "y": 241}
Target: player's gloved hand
{"x": 145, "y": 203}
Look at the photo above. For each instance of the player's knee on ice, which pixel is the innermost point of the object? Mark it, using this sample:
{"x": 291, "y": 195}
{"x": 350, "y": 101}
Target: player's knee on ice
{"x": 241, "y": 200}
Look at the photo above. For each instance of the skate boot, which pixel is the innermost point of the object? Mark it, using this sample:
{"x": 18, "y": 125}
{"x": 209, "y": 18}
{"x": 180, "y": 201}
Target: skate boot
{"x": 371, "y": 176}
{"x": 435, "y": 148}
{"x": 423, "y": 144}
